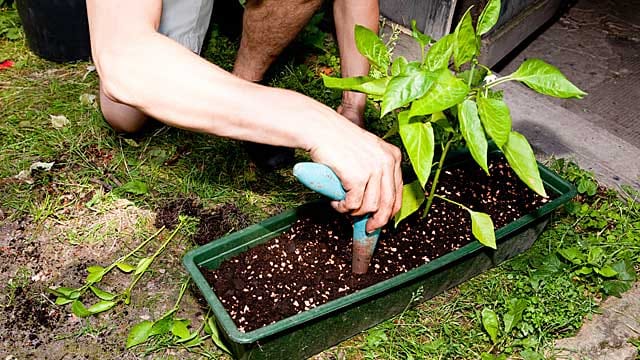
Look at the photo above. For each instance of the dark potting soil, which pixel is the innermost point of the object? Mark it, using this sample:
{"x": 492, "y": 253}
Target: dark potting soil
{"x": 213, "y": 224}
{"x": 310, "y": 264}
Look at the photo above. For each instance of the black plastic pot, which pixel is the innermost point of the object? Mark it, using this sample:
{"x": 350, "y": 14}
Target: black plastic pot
{"x": 56, "y": 30}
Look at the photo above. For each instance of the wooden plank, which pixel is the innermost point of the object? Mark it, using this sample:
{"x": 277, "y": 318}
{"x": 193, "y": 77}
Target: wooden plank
{"x": 432, "y": 17}
{"x": 520, "y": 26}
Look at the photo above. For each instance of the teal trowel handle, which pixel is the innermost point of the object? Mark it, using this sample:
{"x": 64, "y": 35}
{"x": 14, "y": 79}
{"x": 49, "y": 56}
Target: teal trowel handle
{"x": 321, "y": 179}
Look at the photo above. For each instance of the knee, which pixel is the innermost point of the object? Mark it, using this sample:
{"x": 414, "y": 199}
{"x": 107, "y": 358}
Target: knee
{"x": 121, "y": 117}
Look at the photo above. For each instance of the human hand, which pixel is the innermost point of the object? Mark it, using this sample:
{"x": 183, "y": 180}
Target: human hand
{"x": 369, "y": 169}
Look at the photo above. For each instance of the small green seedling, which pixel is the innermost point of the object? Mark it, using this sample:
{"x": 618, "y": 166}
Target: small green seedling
{"x": 107, "y": 300}
{"x": 437, "y": 107}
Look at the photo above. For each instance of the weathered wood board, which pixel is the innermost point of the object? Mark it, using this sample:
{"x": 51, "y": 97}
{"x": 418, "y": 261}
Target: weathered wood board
{"x": 432, "y": 17}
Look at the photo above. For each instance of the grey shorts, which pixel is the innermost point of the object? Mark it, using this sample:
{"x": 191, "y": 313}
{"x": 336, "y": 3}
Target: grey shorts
{"x": 186, "y": 21}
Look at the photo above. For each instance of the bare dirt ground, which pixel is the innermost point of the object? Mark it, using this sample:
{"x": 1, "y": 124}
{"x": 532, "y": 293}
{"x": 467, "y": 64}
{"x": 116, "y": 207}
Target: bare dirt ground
{"x": 57, "y": 253}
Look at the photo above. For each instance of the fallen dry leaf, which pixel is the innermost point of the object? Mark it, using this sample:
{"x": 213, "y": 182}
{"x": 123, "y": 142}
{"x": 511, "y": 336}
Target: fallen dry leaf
{"x": 59, "y": 121}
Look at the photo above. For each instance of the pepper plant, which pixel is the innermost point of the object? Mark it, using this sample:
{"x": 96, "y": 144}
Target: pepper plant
{"x": 438, "y": 107}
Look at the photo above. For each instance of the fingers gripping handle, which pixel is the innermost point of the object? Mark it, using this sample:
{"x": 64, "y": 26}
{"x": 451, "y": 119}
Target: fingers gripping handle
{"x": 321, "y": 179}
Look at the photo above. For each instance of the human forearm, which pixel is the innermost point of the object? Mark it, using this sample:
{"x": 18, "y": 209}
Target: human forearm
{"x": 348, "y": 14}
{"x": 152, "y": 73}
{"x": 204, "y": 98}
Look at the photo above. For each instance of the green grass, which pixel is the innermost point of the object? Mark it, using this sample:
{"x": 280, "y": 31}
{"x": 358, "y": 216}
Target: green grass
{"x": 556, "y": 290}
{"x": 87, "y": 151}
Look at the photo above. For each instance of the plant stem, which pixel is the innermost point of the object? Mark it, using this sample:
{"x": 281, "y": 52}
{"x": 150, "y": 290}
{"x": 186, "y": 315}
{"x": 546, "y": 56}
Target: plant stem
{"x": 142, "y": 244}
{"x": 473, "y": 68}
{"x": 106, "y": 270}
{"x": 183, "y": 290}
{"x": 489, "y": 72}
{"x": 499, "y": 81}
{"x": 153, "y": 257}
{"x": 452, "y": 202}
{"x": 434, "y": 183}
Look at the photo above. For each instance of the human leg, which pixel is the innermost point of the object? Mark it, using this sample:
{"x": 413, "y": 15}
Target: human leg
{"x": 268, "y": 27}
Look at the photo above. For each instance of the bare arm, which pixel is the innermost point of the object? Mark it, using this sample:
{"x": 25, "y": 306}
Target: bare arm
{"x": 348, "y": 14}
{"x": 144, "y": 69}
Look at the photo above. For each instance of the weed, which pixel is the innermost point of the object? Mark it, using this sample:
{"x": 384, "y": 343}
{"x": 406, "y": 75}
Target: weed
{"x": 10, "y": 27}
{"x": 19, "y": 281}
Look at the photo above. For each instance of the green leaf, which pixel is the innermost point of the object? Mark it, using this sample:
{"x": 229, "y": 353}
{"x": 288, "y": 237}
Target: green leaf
{"x": 135, "y": 187}
{"x": 194, "y": 340}
{"x": 372, "y": 48}
{"x": 440, "y": 53}
{"x": 606, "y": 271}
{"x": 584, "y": 271}
{"x": 496, "y": 119}
{"x": 215, "y": 335}
{"x": 362, "y": 84}
{"x": 466, "y": 43}
{"x": 399, "y": 65}
{"x": 376, "y": 87}
{"x": 616, "y": 287}
{"x": 514, "y": 316}
{"x": 392, "y": 131}
{"x": 418, "y": 140}
{"x": 573, "y": 254}
{"x": 404, "y": 88}
{"x": 412, "y": 198}
{"x": 446, "y": 92}
{"x": 60, "y": 300}
{"x": 595, "y": 256}
{"x": 625, "y": 270}
{"x": 441, "y": 120}
{"x": 95, "y": 277}
{"x": 65, "y": 292}
{"x": 546, "y": 79}
{"x": 79, "y": 310}
{"x": 473, "y": 78}
{"x": 103, "y": 295}
{"x": 94, "y": 269}
{"x": 482, "y": 228}
{"x": 162, "y": 326}
{"x": 139, "y": 333}
{"x": 423, "y": 39}
{"x": 523, "y": 162}
{"x": 180, "y": 329}
{"x": 125, "y": 267}
{"x": 490, "y": 323}
{"x": 471, "y": 129}
{"x": 101, "y": 306}
{"x": 489, "y": 17}
{"x": 529, "y": 354}
{"x": 143, "y": 265}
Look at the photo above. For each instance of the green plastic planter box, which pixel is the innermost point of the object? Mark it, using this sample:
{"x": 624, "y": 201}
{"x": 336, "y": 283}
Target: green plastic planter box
{"x": 312, "y": 331}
